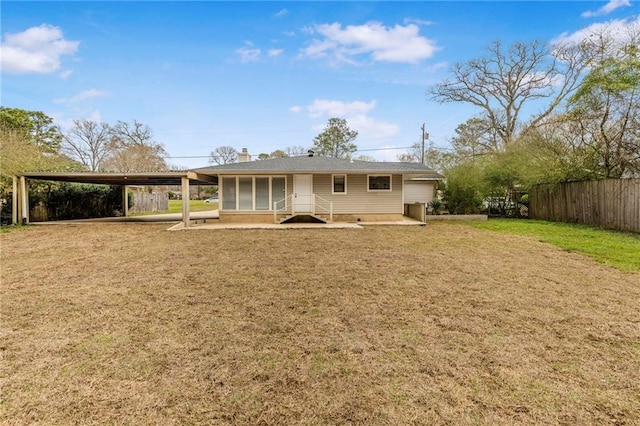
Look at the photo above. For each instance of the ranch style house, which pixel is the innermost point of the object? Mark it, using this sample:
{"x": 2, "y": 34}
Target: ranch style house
{"x": 321, "y": 189}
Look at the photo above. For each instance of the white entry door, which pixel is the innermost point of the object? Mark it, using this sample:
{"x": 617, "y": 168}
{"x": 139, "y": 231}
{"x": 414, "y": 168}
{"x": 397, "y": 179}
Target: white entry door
{"x": 303, "y": 193}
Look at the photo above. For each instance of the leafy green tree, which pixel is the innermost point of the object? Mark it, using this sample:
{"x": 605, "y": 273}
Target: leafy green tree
{"x": 35, "y": 127}
{"x": 336, "y": 140}
{"x": 29, "y": 141}
{"x": 476, "y": 137}
{"x": 465, "y": 189}
{"x": 278, "y": 153}
{"x": 606, "y": 113}
{"x": 598, "y": 135}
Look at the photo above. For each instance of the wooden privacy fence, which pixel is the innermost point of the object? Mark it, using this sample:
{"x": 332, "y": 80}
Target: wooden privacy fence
{"x": 610, "y": 203}
{"x": 143, "y": 202}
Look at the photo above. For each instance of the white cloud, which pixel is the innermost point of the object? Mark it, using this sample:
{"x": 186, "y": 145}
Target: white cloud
{"x": 35, "y": 50}
{"x": 620, "y": 30}
{"x": 95, "y": 116}
{"x": 85, "y": 95}
{"x": 249, "y": 54}
{"x": 281, "y": 13}
{"x": 65, "y": 74}
{"x": 385, "y": 44}
{"x": 607, "y": 8}
{"x": 437, "y": 66}
{"x": 354, "y": 112}
{"x": 325, "y": 107}
{"x": 418, "y": 22}
{"x": 368, "y": 127}
{"x": 66, "y": 123}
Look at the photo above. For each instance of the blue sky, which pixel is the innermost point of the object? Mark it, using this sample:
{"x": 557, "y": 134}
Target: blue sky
{"x": 266, "y": 75}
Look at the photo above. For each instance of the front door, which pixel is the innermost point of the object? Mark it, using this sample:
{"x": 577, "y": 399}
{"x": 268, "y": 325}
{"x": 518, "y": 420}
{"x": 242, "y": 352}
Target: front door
{"x": 303, "y": 193}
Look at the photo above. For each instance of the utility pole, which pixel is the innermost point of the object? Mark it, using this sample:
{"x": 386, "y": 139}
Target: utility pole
{"x": 422, "y": 150}
{"x": 425, "y": 135}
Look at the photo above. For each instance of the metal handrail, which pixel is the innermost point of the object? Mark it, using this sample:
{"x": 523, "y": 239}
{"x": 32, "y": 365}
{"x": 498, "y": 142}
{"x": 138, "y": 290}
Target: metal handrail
{"x": 327, "y": 209}
{"x": 288, "y": 206}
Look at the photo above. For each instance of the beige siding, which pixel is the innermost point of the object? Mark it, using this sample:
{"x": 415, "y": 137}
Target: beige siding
{"x": 358, "y": 199}
{"x": 416, "y": 191}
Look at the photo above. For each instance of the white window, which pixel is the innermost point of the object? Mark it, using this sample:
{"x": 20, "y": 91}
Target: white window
{"x": 278, "y": 192}
{"x": 379, "y": 182}
{"x": 252, "y": 192}
{"x": 262, "y": 193}
{"x": 339, "y": 184}
{"x": 228, "y": 193}
{"x": 245, "y": 193}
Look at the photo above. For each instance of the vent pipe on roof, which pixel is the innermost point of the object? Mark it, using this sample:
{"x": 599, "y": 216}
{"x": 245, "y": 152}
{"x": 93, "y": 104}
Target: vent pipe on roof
{"x": 244, "y": 156}
{"x": 311, "y": 152}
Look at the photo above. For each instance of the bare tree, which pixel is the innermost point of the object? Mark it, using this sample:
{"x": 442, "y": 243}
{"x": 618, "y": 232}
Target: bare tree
{"x": 133, "y": 133}
{"x": 295, "y": 151}
{"x": 438, "y": 159}
{"x": 364, "y": 157}
{"x": 132, "y": 148}
{"x": 223, "y": 155}
{"x": 504, "y": 81}
{"x": 88, "y": 143}
{"x": 136, "y": 158}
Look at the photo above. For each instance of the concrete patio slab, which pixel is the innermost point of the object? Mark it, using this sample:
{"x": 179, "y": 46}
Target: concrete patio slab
{"x": 220, "y": 226}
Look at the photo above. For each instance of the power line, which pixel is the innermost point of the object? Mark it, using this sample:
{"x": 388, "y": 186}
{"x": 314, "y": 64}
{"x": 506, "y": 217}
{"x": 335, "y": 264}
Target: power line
{"x": 359, "y": 150}
{"x": 384, "y": 149}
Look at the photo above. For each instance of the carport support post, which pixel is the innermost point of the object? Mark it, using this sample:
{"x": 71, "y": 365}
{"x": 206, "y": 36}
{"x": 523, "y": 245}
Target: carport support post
{"x": 185, "y": 201}
{"x": 14, "y": 202}
{"x": 125, "y": 201}
{"x": 24, "y": 200}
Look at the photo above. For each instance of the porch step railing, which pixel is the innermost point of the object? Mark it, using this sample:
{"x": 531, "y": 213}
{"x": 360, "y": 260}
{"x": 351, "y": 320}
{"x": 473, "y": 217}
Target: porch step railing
{"x": 284, "y": 206}
{"x": 318, "y": 205}
{"x": 321, "y": 205}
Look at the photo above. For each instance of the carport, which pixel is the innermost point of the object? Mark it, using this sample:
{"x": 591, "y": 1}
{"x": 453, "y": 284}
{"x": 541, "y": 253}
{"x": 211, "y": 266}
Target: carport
{"x": 20, "y": 196}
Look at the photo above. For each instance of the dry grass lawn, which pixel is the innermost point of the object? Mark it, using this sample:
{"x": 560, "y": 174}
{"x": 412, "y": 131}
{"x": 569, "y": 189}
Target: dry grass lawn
{"x": 129, "y": 324}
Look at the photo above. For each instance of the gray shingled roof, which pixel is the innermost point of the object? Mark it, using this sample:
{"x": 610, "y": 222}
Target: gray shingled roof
{"x": 317, "y": 164}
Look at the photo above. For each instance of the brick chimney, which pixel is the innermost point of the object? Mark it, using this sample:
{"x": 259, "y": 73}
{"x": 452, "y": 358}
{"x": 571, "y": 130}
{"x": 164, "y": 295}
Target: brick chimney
{"x": 244, "y": 156}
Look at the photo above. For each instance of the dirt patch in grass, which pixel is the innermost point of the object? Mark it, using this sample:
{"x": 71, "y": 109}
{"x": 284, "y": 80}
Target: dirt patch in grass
{"x": 129, "y": 324}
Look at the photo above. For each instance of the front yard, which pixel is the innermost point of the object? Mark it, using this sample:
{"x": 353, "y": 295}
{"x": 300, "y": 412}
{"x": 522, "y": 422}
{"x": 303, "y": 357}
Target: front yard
{"x": 448, "y": 324}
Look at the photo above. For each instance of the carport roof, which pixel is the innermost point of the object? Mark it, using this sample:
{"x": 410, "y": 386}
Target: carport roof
{"x": 133, "y": 178}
